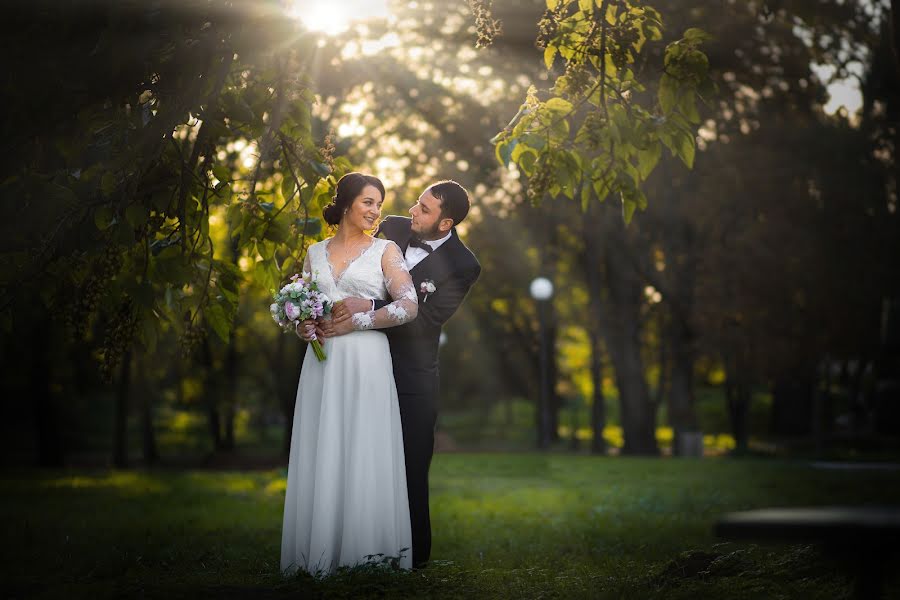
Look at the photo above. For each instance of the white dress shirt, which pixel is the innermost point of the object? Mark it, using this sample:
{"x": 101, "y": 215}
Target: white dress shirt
{"x": 415, "y": 255}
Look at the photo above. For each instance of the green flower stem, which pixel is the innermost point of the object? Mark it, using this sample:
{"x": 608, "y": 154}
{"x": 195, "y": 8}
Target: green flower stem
{"x": 317, "y": 348}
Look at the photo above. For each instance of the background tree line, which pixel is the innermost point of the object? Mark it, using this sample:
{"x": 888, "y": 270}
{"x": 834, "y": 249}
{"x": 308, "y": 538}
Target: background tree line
{"x": 176, "y": 169}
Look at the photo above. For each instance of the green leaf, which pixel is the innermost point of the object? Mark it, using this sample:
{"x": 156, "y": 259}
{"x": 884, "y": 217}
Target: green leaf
{"x": 218, "y": 320}
{"x": 216, "y": 129}
{"x": 320, "y": 168}
{"x": 287, "y": 187}
{"x": 668, "y": 87}
{"x": 242, "y": 112}
{"x": 552, "y": 4}
{"x": 266, "y": 249}
{"x": 686, "y": 149}
{"x": 228, "y": 297}
{"x": 549, "y": 55}
{"x": 108, "y": 184}
{"x": 278, "y": 232}
{"x": 311, "y": 226}
{"x": 585, "y": 196}
{"x": 300, "y": 112}
{"x": 136, "y": 215}
{"x": 223, "y": 191}
{"x": 526, "y": 163}
{"x": 142, "y": 294}
{"x": 640, "y": 198}
{"x": 628, "y": 207}
{"x": 222, "y": 173}
{"x": 647, "y": 159}
{"x": 603, "y": 187}
{"x": 507, "y": 150}
{"x": 306, "y": 194}
{"x": 688, "y": 106}
{"x": 558, "y": 106}
{"x": 103, "y": 218}
{"x": 519, "y": 149}
{"x": 695, "y": 34}
{"x": 204, "y": 227}
{"x": 234, "y": 218}
{"x": 160, "y": 200}
{"x": 149, "y": 331}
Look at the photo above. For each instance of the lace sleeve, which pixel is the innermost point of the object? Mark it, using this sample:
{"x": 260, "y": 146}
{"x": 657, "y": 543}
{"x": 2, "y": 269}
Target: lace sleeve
{"x": 405, "y": 305}
{"x": 307, "y": 265}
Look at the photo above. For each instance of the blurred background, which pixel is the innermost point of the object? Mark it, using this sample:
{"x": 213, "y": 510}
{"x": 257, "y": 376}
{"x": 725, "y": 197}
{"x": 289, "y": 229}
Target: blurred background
{"x": 166, "y": 165}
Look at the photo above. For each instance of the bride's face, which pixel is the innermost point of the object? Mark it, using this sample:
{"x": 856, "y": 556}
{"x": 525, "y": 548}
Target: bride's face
{"x": 365, "y": 209}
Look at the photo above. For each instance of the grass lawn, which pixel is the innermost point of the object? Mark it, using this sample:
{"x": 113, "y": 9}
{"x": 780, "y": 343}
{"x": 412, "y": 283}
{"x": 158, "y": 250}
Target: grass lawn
{"x": 505, "y": 526}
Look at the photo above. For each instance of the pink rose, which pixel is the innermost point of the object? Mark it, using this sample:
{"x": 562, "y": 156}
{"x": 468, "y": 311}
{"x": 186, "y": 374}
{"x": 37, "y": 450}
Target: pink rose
{"x": 291, "y": 311}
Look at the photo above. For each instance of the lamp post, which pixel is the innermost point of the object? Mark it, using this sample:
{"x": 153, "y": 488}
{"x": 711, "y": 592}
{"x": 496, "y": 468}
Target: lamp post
{"x": 541, "y": 290}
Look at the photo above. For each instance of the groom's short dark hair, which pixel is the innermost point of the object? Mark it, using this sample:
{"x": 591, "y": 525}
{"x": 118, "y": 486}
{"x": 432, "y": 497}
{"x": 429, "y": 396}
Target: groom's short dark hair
{"x": 454, "y": 200}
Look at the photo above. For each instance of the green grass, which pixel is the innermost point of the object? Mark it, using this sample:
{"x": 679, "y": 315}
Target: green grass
{"x": 506, "y": 526}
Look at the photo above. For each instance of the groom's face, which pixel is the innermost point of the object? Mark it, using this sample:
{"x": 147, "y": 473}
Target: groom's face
{"x": 427, "y": 223}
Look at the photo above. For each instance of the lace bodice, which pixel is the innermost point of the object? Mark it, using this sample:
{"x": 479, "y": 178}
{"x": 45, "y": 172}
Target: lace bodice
{"x": 379, "y": 272}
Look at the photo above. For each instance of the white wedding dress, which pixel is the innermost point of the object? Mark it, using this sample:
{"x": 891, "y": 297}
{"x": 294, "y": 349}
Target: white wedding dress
{"x": 346, "y": 487}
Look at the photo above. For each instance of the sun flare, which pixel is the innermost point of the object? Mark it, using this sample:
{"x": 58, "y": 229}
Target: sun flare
{"x": 335, "y": 16}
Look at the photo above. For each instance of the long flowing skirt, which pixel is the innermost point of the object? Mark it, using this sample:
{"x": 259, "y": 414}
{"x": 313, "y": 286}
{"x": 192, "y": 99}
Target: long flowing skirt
{"x": 346, "y": 494}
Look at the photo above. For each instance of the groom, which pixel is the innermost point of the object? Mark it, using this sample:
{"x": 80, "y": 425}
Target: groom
{"x": 442, "y": 269}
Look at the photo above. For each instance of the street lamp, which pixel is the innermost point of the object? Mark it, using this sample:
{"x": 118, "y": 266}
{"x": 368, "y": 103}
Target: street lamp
{"x": 541, "y": 290}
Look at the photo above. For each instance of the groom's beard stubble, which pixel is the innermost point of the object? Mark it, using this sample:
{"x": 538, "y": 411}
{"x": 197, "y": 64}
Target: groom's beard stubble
{"x": 429, "y": 235}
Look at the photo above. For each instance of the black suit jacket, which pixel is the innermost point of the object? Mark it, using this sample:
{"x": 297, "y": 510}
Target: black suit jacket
{"x": 414, "y": 345}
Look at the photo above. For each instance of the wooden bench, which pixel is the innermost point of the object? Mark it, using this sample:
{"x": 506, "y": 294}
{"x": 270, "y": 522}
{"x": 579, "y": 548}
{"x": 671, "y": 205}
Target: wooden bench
{"x": 863, "y": 536}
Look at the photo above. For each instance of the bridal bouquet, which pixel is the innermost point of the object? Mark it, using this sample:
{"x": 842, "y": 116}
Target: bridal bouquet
{"x": 297, "y": 301}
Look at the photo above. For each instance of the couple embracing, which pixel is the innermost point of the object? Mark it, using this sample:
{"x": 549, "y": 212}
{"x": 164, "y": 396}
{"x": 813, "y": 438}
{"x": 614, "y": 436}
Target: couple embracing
{"x": 363, "y": 432}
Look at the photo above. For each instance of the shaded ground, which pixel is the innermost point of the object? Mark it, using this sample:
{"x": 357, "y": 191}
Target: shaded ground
{"x": 506, "y": 526}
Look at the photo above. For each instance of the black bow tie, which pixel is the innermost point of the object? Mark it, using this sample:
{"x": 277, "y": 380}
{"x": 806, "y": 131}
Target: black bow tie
{"x": 421, "y": 244}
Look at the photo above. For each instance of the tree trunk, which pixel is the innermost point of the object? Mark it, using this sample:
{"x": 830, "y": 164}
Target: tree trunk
{"x": 148, "y": 435}
{"x": 287, "y": 390}
{"x": 623, "y": 344}
{"x": 46, "y": 412}
{"x": 737, "y": 395}
{"x": 120, "y": 431}
{"x": 598, "y": 406}
{"x": 792, "y": 403}
{"x": 230, "y": 389}
{"x": 230, "y": 398}
{"x": 213, "y": 419}
{"x": 663, "y": 382}
{"x": 592, "y": 263}
{"x": 552, "y": 374}
{"x": 681, "y": 391}
{"x": 859, "y": 406}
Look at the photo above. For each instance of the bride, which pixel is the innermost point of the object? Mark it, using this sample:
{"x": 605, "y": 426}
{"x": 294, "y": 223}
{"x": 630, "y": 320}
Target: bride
{"x": 346, "y": 499}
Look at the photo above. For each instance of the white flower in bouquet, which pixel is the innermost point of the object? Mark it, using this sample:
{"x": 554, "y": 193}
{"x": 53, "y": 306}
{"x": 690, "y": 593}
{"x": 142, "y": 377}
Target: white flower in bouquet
{"x": 298, "y": 301}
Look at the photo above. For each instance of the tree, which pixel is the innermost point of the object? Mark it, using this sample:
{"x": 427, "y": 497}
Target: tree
{"x": 114, "y": 180}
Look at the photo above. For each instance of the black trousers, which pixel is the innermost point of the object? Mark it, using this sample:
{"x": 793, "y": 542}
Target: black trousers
{"x": 418, "y": 414}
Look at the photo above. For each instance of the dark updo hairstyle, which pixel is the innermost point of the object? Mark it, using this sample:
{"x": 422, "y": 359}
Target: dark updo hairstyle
{"x": 454, "y": 200}
{"x": 348, "y": 188}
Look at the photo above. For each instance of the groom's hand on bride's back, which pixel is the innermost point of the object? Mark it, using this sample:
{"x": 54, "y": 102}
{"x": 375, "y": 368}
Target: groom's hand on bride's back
{"x": 340, "y": 322}
{"x": 349, "y": 306}
{"x": 335, "y": 327}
